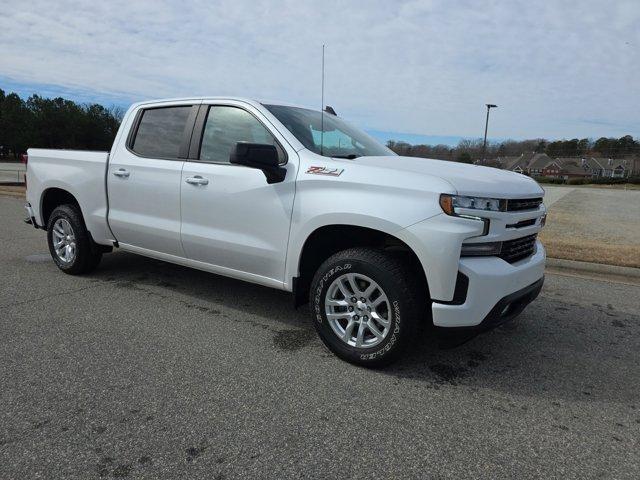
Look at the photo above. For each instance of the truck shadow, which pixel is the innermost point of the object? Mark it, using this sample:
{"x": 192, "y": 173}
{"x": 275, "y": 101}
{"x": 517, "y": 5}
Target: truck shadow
{"x": 203, "y": 290}
{"x": 555, "y": 350}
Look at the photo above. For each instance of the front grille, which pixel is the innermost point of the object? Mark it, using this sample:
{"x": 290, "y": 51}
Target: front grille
{"x": 518, "y": 249}
{"x": 515, "y": 205}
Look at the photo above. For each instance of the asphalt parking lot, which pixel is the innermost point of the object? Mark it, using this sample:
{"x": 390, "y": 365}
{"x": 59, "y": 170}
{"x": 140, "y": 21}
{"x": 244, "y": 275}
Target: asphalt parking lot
{"x": 149, "y": 370}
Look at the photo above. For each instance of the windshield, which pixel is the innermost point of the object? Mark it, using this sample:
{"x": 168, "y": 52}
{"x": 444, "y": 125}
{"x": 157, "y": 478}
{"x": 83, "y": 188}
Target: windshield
{"x": 331, "y": 137}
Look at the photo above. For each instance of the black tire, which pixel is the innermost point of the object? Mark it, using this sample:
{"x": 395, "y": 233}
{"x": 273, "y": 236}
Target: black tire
{"x": 87, "y": 253}
{"x": 398, "y": 282}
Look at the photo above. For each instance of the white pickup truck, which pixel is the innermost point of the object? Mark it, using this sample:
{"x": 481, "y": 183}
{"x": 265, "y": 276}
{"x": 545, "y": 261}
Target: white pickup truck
{"x": 300, "y": 200}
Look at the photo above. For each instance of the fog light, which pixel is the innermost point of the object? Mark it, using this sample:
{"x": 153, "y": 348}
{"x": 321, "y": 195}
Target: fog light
{"x": 543, "y": 220}
{"x": 480, "y": 249}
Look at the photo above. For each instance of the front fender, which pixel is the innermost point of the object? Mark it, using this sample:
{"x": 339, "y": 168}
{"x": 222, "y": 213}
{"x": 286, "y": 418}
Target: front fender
{"x": 437, "y": 242}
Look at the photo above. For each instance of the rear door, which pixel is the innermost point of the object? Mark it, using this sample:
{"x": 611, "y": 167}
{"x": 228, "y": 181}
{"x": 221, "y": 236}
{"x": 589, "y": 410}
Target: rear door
{"x": 144, "y": 179}
{"x": 231, "y": 217}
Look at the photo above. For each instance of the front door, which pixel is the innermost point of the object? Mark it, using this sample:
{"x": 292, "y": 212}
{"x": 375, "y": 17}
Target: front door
{"x": 144, "y": 180}
{"x": 231, "y": 217}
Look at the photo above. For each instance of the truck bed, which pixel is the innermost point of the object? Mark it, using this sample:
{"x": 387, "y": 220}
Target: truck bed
{"x": 80, "y": 172}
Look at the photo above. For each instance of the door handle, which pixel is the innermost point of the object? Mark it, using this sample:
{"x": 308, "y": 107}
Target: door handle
{"x": 197, "y": 180}
{"x": 121, "y": 172}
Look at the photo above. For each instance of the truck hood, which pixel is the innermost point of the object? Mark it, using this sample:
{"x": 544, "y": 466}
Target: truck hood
{"x": 473, "y": 180}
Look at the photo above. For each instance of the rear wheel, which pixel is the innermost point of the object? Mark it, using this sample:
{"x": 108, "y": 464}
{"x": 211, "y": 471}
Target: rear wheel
{"x": 364, "y": 306}
{"x": 70, "y": 244}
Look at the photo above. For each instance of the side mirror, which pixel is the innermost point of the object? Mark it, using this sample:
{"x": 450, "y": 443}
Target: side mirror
{"x": 261, "y": 156}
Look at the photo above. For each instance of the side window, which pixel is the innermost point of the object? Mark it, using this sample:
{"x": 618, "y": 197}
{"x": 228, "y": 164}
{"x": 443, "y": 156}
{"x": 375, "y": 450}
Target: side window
{"x": 160, "y": 132}
{"x": 226, "y": 126}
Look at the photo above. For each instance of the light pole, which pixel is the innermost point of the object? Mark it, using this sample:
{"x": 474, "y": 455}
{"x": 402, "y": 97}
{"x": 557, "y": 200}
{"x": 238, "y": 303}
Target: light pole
{"x": 486, "y": 126}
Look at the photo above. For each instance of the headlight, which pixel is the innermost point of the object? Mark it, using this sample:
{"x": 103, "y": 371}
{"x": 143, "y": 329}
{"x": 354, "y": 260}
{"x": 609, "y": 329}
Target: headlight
{"x": 450, "y": 202}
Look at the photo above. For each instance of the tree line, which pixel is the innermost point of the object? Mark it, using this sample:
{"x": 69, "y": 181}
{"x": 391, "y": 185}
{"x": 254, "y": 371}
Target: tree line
{"x": 54, "y": 123}
{"x": 60, "y": 123}
{"x": 469, "y": 150}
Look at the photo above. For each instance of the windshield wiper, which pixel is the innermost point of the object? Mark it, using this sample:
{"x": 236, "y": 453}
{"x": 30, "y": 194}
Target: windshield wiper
{"x": 351, "y": 156}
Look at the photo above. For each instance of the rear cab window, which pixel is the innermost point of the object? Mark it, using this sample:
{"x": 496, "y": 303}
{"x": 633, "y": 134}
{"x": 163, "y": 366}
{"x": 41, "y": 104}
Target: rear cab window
{"x": 160, "y": 131}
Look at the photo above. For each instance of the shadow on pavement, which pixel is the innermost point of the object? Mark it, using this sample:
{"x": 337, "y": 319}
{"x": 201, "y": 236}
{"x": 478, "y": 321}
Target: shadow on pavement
{"x": 555, "y": 349}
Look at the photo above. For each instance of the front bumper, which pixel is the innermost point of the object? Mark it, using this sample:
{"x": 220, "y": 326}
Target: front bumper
{"x": 493, "y": 285}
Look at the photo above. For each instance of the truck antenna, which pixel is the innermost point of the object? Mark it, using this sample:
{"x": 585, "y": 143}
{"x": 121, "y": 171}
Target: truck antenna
{"x": 322, "y": 106}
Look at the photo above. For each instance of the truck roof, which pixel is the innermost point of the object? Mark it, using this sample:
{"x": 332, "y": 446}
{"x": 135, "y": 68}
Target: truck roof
{"x": 250, "y": 101}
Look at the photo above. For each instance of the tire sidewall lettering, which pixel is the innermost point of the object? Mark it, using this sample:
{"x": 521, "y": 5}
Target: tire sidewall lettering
{"x": 317, "y": 299}
{"x": 392, "y": 338}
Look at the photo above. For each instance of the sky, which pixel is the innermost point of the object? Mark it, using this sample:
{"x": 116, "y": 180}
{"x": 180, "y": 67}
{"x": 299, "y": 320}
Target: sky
{"x": 419, "y": 68}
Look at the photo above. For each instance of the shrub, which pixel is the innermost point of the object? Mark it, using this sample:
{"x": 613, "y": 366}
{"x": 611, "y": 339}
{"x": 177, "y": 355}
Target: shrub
{"x": 608, "y": 181}
{"x": 586, "y": 180}
{"x": 552, "y": 180}
{"x": 578, "y": 181}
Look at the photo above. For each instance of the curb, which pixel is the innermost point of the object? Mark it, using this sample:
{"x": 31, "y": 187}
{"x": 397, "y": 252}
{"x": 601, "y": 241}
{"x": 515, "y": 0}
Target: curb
{"x": 588, "y": 267}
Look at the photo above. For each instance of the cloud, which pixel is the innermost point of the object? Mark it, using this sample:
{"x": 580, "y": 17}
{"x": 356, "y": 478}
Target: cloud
{"x": 424, "y": 67}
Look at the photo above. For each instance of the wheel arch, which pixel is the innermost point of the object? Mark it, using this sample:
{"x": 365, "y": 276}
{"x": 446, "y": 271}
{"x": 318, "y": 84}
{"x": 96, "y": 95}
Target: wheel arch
{"x": 329, "y": 239}
{"x": 52, "y": 198}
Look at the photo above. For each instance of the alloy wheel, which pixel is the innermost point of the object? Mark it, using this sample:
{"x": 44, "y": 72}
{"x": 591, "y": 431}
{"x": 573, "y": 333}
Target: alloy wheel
{"x": 358, "y": 310}
{"x": 64, "y": 240}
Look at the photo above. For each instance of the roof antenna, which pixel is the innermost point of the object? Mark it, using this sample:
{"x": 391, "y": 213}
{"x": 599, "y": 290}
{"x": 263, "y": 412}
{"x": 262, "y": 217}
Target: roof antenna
{"x": 322, "y": 107}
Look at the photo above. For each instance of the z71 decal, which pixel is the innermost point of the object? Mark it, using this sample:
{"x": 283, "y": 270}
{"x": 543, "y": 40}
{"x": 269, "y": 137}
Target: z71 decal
{"x": 334, "y": 172}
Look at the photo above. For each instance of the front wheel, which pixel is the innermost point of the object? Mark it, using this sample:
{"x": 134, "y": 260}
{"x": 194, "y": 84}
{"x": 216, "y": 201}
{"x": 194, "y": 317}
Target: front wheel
{"x": 364, "y": 306}
{"x": 70, "y": 244}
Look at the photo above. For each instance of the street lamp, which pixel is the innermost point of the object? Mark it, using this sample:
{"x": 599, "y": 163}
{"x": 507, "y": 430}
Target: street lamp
{"x": 486, "y": 126}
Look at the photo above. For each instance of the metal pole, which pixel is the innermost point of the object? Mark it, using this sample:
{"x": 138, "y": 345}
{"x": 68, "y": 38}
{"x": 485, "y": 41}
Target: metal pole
{"x": 486, "y": 127}
{"x": 484, "y": 144}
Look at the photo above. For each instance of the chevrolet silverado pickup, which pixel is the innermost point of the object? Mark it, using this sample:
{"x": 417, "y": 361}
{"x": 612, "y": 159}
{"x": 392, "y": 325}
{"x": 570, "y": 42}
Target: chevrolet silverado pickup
{"x": 300, "y": 200}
